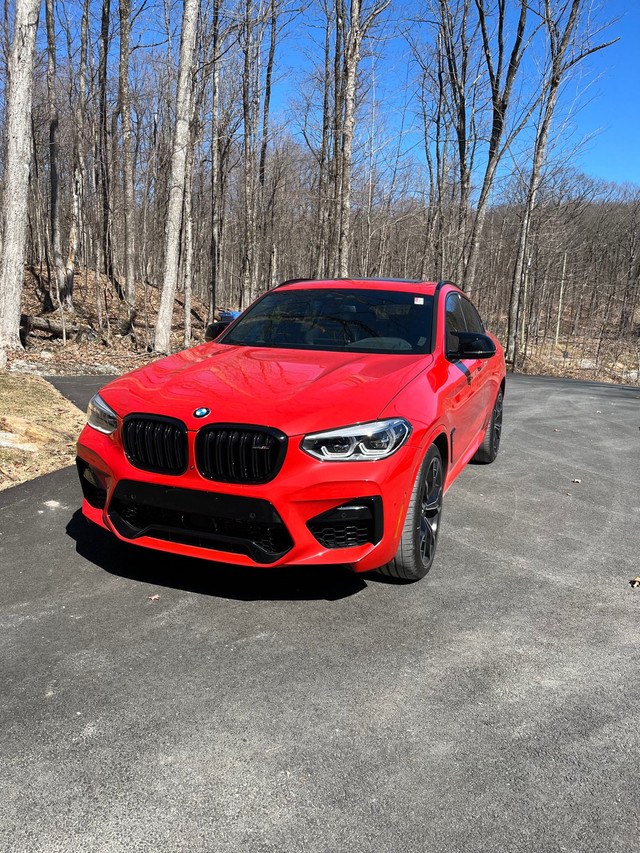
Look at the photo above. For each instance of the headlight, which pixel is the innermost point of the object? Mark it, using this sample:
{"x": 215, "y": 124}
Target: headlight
{"x": 101, "y": 416}
{"x": 360, "y": 443}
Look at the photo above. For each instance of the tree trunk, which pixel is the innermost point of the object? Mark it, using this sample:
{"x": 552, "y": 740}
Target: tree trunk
{"x": 320, "y": 263}
{"x": 559, "y": 40}
{"x": 16, "y": 171}
{"x": 127, "y": 157}
{"x": 351, "y": 63}
{"x": 187, "y": 217}
{"x": 250, "y": 79}
{"x": 356, "y": 32}
{"x": 103, "y": 142}
{"x": 64, "y": 296}
{"x": 500, "y": 98}
{"x": 162, "y": 340}
{"x": 214, "y": 243}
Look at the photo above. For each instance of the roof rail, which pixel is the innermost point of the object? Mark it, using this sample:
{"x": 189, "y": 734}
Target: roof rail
{"x": 291, "y": 281}
{"x": 398, "y": 280}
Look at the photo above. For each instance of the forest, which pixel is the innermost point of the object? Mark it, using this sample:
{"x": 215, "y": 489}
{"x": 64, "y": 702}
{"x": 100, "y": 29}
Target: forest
{"x": 162, "y": 160}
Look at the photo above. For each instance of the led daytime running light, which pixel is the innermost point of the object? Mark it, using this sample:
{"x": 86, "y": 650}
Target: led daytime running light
{"x": 359, "y": 443}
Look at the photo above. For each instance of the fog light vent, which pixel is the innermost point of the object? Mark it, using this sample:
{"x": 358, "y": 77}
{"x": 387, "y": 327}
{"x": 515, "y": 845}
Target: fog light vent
{"x": 93, "y": 489}
{"x": 354, "y": 523}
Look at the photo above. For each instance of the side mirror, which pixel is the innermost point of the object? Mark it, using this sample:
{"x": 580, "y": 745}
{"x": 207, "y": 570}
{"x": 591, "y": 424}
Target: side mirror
{"x": 214, "y": 330}
{"x": 472, "y": 345}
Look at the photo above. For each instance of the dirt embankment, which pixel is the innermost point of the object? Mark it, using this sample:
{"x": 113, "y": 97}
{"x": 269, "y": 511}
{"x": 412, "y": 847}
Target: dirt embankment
{"x": 38, "y": 428}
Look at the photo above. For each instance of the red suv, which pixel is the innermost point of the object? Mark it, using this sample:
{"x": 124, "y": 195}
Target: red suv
{"x": 322, "y": 426}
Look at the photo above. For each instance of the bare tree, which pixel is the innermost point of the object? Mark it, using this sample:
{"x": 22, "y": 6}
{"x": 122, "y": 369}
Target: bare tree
{"x": 77, "y": 234}
{"x": 250, "y": 195}
{"x": 162, "y": 340}
{"x": 560, "y": 21}
{"x": 502, "y": 65}
{"x": 127, "y": 158}
{"x": 101, "y": 150}
{"x": 214, "y": 242}
{"x": 16, "y": 172}
{"x": 359, "y": 24}
{"x": 64, "y": 296}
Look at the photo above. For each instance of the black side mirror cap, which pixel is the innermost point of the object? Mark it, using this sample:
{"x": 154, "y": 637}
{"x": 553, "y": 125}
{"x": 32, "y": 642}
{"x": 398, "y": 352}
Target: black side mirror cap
{"x": 214, "y": 330}
{"x": 472, "y": 345}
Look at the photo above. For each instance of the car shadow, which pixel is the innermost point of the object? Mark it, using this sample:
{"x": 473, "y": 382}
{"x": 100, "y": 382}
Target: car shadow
{"x": 205, "y": 577}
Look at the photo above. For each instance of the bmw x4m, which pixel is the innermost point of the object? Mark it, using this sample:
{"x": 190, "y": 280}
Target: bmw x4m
{"x": 323, "y": 426}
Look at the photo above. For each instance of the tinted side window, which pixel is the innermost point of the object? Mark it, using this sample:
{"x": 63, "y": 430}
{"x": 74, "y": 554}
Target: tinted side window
{"x": 474, "y": 323}
{"x": 454, "y": 320}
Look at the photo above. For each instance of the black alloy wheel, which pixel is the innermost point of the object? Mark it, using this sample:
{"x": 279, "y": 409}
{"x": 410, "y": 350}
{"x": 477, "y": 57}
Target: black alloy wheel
{"x": 431, "y": 510}
{"x": 488, "y": 450}
{"x": 497, "y": 424}
{"x": 419, "y": 537}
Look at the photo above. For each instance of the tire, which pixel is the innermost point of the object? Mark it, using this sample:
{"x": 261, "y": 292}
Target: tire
{"x": 488, "y": 450}
{"x": 419, "y": 537}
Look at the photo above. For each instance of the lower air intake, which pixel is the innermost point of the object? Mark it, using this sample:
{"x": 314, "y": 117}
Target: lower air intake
{"x": 358, "y": 522}
{"x": 238, "y": 525}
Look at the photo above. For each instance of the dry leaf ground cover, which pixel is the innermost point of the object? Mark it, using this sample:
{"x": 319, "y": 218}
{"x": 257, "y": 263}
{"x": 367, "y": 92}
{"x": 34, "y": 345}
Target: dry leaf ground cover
{"x": 38, "y": 428}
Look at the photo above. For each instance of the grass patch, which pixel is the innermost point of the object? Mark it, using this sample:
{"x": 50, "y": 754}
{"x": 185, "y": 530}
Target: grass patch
{"x": 38, "y": 428}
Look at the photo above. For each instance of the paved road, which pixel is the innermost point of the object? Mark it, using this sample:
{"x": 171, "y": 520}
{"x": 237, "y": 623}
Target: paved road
{"x": 491, "y": 707}
{"x": 79, "y": 389}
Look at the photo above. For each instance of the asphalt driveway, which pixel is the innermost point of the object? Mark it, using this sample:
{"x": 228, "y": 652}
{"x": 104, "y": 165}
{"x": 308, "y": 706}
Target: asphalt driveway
{"x": 152, "y": 703}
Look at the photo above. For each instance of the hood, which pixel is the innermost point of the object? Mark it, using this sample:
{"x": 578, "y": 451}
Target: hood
{"x": 296, "y": 391}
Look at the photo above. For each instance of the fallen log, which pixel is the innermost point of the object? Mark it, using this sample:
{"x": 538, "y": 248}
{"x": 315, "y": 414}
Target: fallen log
{"x": 43, "y": 324}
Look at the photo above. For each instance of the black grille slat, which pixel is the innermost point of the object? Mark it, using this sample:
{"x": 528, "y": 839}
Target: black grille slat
{"x": 245, "y": 458}
{"x": 150, "y": 450}
{"x": 234, "y": 455}
{"x": 256, "y": 470}
{"x": 219, "y": 442}
{"x": 240, "y": 453}
{"x": 157, "y": 444}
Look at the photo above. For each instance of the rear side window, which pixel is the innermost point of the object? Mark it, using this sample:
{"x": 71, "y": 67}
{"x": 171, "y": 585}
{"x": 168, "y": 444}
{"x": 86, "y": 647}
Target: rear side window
{"x": 474, "y": 323}
{"x": 454, "y": 320}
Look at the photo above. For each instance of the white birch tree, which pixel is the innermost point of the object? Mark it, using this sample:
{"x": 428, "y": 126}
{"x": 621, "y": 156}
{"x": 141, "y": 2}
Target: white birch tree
{"x": 162, "y": 340}
{"x": 17, "y": 163}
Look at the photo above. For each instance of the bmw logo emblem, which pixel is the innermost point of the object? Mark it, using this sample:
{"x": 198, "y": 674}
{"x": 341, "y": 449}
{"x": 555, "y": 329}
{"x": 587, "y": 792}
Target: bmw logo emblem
{"x": 202, "y": 412}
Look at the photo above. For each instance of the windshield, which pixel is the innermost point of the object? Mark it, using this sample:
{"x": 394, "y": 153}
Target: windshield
{"x": 388, "y": 321}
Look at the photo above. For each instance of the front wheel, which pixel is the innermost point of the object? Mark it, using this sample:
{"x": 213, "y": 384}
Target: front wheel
{"x": 419, "y": 537}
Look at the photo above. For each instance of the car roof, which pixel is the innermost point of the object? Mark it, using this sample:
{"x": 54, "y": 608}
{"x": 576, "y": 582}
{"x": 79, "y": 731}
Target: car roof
{"x": 427, "y": 287}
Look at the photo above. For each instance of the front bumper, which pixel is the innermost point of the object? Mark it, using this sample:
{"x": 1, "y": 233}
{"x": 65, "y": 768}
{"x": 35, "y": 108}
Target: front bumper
{"x": 312, "y": 513}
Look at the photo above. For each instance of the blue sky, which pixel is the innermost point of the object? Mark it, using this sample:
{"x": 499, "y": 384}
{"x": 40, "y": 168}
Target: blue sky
{"x": 608, "y": 118}
{"x": 602, "y": 137}
{"x": 612, "y": 104}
